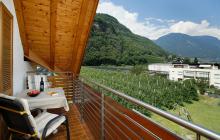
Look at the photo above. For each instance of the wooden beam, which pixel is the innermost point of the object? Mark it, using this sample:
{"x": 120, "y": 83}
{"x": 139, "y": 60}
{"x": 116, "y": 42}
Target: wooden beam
{"x": 38, "y": 60}
{"x": 21, "y": 25}
{"x": 53, "y": 17}
{"x": 77, "y": 34}
{"x": 80, "y": 47}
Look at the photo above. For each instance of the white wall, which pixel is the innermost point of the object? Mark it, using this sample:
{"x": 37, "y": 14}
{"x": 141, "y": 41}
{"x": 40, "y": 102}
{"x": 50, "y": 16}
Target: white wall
{"x": 159, "y": 67}
{"x": 20, "y": 67}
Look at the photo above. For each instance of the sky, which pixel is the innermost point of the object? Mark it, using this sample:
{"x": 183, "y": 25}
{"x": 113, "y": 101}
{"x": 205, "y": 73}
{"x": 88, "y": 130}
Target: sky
{"x": 156, "y": 18}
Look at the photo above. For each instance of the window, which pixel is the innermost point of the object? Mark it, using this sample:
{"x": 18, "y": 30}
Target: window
{"x": 6, "y": 29}
{"x": 217, "y": 76}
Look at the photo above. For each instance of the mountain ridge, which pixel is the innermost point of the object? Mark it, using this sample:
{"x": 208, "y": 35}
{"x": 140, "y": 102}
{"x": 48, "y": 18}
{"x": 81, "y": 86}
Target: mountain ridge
{"x": 112, "y": 43}
{"x": 206, "y": 47}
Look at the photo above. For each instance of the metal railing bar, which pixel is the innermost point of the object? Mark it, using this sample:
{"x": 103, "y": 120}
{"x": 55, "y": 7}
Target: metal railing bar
{"x": 92, "y": 98}
{"x": 92, "y": 108}
{"x": 105, "y": 124}
{"x": 97, "y": 117}
{"x": 105, "y": 131}
{"x": 113, "y": 125}
{"x": 118, "y": 128}
{"x": 142, "y": 115}
{"x": 112, "y": 122}
{"x": 198, "y": 137}
{"x": 193, "y": 127}
{"x": 92, "y": 116}
{"x": 96, "y": 132}
{"x": 102, "y": 116}
{"x": 117, "y": 118}
{"x": 87, "y": 117}
{"x": 139, "y": 125}
{"x": 87, "y": 92}
{"x": 105, "y": 116}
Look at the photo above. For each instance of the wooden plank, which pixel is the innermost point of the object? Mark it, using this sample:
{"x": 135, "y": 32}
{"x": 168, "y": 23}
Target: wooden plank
{"x": 79, "y": 52}
{"x": 39, "y": 2}
{"x": 58, "y": 31}
{"x": 36, "y": 6}
{"x": 53, "y": 18}
{"x": 21, "y": 25}
{"x": 78, "y": 34}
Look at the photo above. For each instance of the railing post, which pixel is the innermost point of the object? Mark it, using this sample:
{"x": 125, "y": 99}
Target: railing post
{"x": 198, "y": 137}
{"x": 82, "y": 100}
{"x": 102, "y": 116}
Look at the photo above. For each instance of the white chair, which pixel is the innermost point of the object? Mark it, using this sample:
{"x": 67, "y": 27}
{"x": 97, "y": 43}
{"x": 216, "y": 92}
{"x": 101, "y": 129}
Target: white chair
{"x": 19, "y": 120}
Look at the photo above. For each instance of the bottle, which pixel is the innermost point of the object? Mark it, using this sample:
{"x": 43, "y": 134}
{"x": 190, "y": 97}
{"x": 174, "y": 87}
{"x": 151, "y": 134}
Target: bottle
{"x": 41, "y": 85}
{"x": 27, "y": 86}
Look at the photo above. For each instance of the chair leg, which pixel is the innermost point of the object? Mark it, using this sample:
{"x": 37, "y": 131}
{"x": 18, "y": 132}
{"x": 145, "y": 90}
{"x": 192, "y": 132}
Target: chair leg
{"x": 10, "y": 136}
{"x": 67, "y": 128}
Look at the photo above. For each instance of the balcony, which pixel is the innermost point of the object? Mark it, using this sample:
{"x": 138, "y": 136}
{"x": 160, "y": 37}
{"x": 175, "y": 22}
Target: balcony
{"x": 78, "y": 129}
{"x": 94, "y": 114}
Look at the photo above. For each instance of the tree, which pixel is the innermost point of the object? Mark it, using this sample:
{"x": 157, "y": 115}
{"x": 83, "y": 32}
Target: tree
{"x": 196, "y": 61}
{"x": 202, "y": 86}
{"x": 186, "y": 61}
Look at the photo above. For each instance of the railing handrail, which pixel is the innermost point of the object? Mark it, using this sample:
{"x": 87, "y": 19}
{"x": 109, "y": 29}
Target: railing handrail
{"x": 49, "y": 72}
{"x": 193, "y": 127}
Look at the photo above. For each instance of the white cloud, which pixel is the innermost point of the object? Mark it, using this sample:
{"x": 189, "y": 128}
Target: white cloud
{"x": 154, "y": 28}
{"x": 191, "y": 28}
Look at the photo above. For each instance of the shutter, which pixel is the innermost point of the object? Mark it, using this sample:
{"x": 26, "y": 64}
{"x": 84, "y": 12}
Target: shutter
{"x": 6, "y": 64}
{"x": 6, "y": 26}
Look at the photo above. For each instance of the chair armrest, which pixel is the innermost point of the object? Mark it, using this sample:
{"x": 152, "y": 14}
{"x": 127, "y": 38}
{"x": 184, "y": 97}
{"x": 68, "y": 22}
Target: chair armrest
{"x": 48, "y": 125}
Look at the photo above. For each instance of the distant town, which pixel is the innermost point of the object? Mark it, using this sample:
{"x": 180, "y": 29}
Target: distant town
{"x": 179, "y": 72}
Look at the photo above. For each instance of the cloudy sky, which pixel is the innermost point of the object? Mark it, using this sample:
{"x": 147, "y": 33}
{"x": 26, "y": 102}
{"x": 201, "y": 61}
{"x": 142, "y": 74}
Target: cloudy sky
{"x": 155, "y": 18}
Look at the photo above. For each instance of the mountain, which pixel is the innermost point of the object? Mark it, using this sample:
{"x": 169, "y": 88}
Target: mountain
{"x": 205, "y": 47}
{"x": 112, "y": 43}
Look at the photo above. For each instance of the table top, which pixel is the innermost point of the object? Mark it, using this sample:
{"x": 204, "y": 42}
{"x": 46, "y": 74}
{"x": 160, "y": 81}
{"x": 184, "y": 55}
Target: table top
{"x": 45, "y": 100}
{"x": 59, "y": 91}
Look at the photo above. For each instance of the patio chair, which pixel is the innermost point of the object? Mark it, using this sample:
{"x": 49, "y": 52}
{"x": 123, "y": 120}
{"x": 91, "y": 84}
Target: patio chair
{"x": 19, "y": 120}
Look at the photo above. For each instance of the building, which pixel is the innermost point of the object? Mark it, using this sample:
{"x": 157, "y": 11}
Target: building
{"x": 160, "y": 68}
{"x": 178, "y": 72}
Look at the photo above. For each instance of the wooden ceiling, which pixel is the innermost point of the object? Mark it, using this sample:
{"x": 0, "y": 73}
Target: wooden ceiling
{"x": 54, "y": 33}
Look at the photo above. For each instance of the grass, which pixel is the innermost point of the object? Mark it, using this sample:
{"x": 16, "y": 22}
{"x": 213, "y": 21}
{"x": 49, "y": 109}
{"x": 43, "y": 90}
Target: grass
{"x": 205, "y": 112}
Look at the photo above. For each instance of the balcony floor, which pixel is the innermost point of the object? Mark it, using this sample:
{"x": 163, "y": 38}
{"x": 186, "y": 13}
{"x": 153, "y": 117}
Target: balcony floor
{"x": 78, "y": 129}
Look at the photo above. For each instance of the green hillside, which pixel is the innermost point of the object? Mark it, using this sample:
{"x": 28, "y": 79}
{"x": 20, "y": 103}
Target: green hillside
{"x": 112, "y": 43}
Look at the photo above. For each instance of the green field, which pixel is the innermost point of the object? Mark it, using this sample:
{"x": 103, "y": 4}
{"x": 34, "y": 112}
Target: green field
{"x": 162, "y": 93}
{"x": 205, "y": 112}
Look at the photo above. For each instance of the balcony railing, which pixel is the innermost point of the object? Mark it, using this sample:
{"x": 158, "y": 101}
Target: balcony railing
{"x": 107, "y": 119}
{"x": 59, "y": 79}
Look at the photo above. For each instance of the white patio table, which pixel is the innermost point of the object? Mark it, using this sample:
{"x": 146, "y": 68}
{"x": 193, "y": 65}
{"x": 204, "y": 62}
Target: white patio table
{"x": 45, "y": 100}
